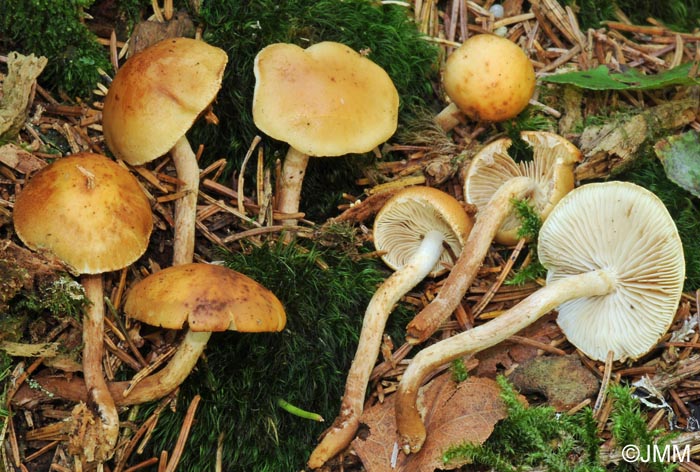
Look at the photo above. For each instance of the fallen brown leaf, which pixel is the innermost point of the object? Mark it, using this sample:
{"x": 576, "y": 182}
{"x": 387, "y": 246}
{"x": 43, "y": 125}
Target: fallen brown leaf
{"x": 454, "y": 413}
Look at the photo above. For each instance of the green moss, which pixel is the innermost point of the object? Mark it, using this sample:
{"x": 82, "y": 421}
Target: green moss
{"x": 539, "y": 437}
{"x": 678, "y": 14}
{"x": 536, "y": 437}
{"x": 386, "y": 32}
{"x": 245, "y": 374}
{"x": 53, "y": 28}
{"x": 530, "y": 224}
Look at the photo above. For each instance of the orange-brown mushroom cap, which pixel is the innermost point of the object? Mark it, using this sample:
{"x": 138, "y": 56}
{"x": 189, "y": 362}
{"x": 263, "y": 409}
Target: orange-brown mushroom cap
{"x": 208, "y": 297}
{"x": 489, "y": 78}
{"x": 325, "y": 100}
{"x": 88, "y": 211}
{"x": 157, "y": 95}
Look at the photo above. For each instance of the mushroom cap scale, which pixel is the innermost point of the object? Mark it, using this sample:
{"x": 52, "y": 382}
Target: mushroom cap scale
{"x": 551, "y": 168}
{"x": 156, "y": 96}
{"x": 88, "y": 211}
{"x": 208, "y": 297}
{"x": 325, "y": 100}
{"x": 405, "y": 218}
{"x": 625, "y": 230}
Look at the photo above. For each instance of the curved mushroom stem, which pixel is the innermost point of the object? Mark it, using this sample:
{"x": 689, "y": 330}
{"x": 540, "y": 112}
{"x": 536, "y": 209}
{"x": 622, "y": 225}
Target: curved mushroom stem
{"x": 99, "y": 398}
{"x": 449, "y": 117}
{"x": 151, "y": 388}
{"x": 187, "y": 169}
{"x": 345, "y": 426}
{"x": 293, "y": 170}
{"x": 410, "y": 427}
{"x": 169, "y": 377}
{"x": 465, "y": 269}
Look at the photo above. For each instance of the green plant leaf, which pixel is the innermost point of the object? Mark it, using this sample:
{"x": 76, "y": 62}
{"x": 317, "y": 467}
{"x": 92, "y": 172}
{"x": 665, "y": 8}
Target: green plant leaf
{"x": 680, "y": 156}
{"x": 601, "y": 78}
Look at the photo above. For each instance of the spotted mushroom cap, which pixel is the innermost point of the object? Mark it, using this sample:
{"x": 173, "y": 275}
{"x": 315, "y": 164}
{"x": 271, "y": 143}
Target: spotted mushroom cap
{"x": 156, "y": 96}
{"x": 325, "y": 100}
{"x": 406, "y": 217}
{"x": 552, "y": 168}
{"x": 626, "y": 230}
{"x": 88, "y": 211}
{"x": 489, "y": 78}
{"x": 207, "y": 297}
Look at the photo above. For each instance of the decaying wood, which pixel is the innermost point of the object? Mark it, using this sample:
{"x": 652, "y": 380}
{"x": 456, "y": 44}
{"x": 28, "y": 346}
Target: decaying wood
{"x": 610, "y": 148}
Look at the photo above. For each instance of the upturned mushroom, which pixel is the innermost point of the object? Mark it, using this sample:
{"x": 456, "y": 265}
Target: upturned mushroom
{"x": 154, "y": 99}
{"x": 203, "y": 298}
{"x": 487, "y": 78}
{"x": 412, "y": 229}
{"x": 493, "y": 181}
{"x": 615, "y": 273}
{"x": 90, "y": 213}
{"x": 325, "y": 100}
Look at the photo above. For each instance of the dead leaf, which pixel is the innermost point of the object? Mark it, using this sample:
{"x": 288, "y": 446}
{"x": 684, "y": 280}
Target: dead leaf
{"x": 18, "y": 89}
{"x": 20, "y": 160}
{"x": 506, "y": 355}
{"x": 454, "y": 413}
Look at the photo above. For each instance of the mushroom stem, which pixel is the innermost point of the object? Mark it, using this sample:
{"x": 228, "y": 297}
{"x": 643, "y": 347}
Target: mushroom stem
{"x": 293, "y": 170}
{"x": 169, "y": 377}
{"x": 449, "y": 117}
{"x": 345, "y": 426}
{"x": 187, "y": 170}
{"x": 409, "y": 424}
{"x": 465, "y": 269}
{"x": 99, "y": 397}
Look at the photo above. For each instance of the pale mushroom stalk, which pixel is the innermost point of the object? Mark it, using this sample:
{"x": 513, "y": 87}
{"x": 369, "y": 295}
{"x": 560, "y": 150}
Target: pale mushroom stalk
{"x": 99, "y": 396}
{"x": 467, "y": 265}
{"x": 187, "y": 170}
{"x": 409, "y": 423}
{"x": 343, "y": 430}
{"x": 293, "y": 170}
{"x": 449, "y": 117}
{"x": 167, "y": 379}
{"x": 615, "y": 273}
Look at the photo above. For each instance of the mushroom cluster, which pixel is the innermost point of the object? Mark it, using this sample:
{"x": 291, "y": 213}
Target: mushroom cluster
{"x": 615, "y": 273}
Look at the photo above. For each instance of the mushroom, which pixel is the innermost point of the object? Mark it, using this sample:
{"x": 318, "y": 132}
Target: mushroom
{"x": 493, "y": 181}
{"x": 90, "y": 213}
{"x": 206, "y": 298}
{"x": 325, "y": 100}
{"x": 413, "y": 229}
{"x": 615, "y": 271}
{"x": 487, "y": 78}
{"x": 152, "y": 102}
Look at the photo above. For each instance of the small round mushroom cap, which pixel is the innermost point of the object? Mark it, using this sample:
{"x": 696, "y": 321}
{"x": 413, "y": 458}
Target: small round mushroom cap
{"x": 626, "y": 230}
{"x": 405, "y": 218}
{"x": 208, "y": 297}
{"x": 551, "y": 167}
{"x": 88, "y": 211}
{"x": 325, "y": 100}
{"x": 489, "y": 78}
{"x": 157, "y": 95}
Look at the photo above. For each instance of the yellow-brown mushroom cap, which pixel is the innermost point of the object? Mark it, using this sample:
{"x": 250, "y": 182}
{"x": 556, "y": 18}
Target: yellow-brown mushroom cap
{"x": 157, "y": 95}
{"x": 405, "y": 218}
{"x": 551, "y": 168}
{"x": 208, "y": 297}
{"x": 88, "y": 211}
{"x": 325, "y": 100}
{"x": 489, "y": 78}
